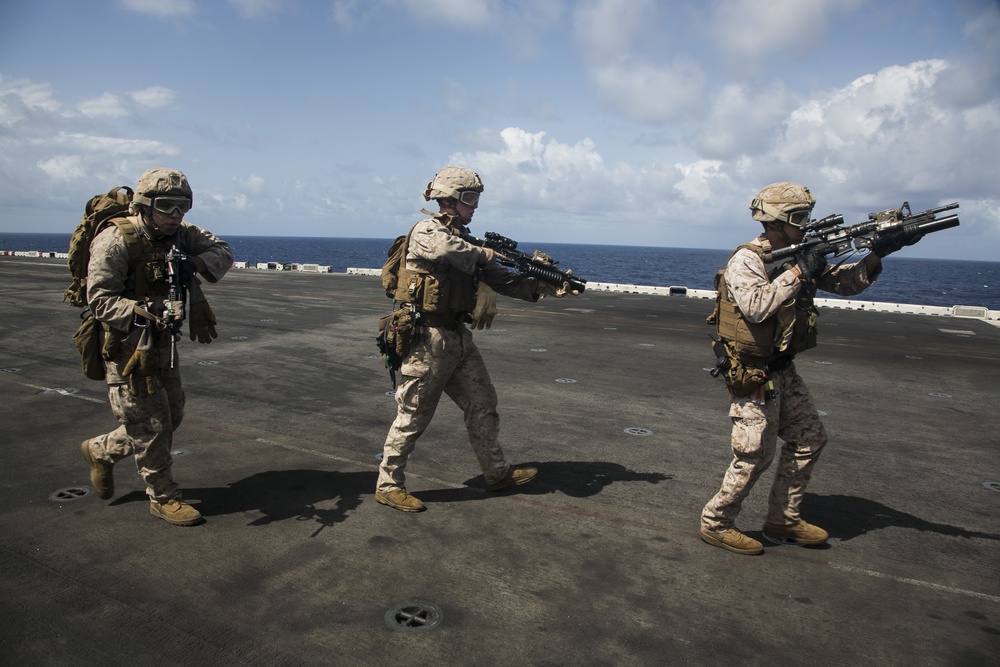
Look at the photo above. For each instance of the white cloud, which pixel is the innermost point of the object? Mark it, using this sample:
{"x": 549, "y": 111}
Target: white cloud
{"x": 105, "y": 106}
{"x": 743, "y": 120}
{"x": 751, "y": 31}
{"x": 257, "y": 9}
{"x": 63, "y": 167}
{"x": 605, "y": 28}
{"x": 699, "y": 179}
{"x": 159, "y": 8}
{"x": 154, "y": 97}
{"x": 648, "y": 93}
{"x": 530, "y": 170}
{"x": 461, "y": 13}
{"x": 253, "y": 184}
{"x": 636, "y": 86}
{"x": 20, "y": 98}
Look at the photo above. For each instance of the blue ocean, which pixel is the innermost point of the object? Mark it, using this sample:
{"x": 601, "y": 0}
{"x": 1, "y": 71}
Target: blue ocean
{"x": 926, "y": 282}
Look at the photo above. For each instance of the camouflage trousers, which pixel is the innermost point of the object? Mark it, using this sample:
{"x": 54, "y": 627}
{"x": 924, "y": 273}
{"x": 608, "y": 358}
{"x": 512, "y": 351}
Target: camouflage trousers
{"x": 443, "y": 361}
{"x": 792, "y": 417}
{"x": 146, "y": 432}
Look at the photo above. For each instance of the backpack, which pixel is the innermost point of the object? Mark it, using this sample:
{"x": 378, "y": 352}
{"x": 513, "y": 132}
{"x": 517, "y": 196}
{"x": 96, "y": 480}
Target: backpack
{"x": 100, "y": 211}
{"x": 396, "y": 255}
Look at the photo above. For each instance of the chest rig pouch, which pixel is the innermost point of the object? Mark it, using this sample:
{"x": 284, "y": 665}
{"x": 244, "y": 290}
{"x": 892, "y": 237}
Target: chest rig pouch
{"x": 435, "y": 288}
{"x": 751, "y": 347}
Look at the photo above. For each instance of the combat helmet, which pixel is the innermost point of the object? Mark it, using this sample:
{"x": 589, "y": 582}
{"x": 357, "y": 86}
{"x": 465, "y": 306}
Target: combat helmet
{"x": 455, "y": 182}
{"x": 161, "y": 182}
{"x": 781, "y": 201}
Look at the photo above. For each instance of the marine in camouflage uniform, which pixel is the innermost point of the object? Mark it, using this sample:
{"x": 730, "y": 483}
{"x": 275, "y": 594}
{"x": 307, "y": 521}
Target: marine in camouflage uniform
{"x": 779, "y": 310}
{"x": 127, "y": 295}
{"x": 440, "y": 280}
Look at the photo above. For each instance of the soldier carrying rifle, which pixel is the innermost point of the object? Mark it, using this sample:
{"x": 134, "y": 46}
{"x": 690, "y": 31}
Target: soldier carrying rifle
{"x": 443, "y": 282}
{"x": 142, "y": 268}
{"x": 765, "y": 316}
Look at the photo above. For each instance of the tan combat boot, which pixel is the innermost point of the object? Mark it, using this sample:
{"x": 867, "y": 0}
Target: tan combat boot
{"x": 797, "y": 533}
{"x": 101, "y": 474}
{"x": 733, "y": 540}
{"x": 400, "y": 499}
{"x": 176, "y": 512}
{"x": 514, "y": 476}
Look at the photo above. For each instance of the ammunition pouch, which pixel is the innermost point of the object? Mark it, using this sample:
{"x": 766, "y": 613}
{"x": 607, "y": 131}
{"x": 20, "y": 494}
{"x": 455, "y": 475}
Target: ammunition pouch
{"x": 395, "y": 336}
{"x": 804, "y": 331}
{"x": 436, "y": 292}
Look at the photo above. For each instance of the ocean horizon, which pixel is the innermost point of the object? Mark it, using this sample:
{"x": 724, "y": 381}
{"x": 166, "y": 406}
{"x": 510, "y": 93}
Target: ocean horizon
{"x": 904, "y": 280}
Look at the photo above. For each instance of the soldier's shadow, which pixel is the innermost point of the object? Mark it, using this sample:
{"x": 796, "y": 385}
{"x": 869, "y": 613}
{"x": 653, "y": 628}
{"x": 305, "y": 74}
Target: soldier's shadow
{"x": 325, "y": 497}
{"x": 847, "y": 517}
{"x": 579, "y": 479}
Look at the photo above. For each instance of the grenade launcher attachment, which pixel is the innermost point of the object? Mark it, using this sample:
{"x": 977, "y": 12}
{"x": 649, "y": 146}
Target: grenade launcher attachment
{"x": 829, "y": 236}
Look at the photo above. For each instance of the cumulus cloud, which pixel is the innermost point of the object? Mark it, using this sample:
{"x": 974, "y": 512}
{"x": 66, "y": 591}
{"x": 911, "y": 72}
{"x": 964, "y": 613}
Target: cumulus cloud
{"x": 889, "y": 131}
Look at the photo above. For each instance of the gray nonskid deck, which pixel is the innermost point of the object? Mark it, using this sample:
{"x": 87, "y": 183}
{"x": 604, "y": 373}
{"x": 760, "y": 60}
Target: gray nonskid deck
{"x": 597, "y": 562}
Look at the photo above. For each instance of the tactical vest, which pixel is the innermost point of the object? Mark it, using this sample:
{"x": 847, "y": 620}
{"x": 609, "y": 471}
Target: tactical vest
{"x": 789, "y": 331}
{"x": 439, "y": 288}
{"x": 147, "y": 278}
{"x": 147, "y": 274}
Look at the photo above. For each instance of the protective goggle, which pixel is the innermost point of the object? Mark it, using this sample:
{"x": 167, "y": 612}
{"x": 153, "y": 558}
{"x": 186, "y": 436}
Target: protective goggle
{"x": 799, "y": 218}
{"x": 469, "y": 198}
{"x": 168, "y": 205}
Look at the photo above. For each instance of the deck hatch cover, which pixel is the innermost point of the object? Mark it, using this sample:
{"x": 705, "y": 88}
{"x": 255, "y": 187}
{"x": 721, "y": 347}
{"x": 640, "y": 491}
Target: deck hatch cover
{"x": 413, "y": 616}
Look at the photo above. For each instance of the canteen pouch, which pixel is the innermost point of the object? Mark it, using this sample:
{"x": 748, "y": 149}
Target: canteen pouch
{"x": 89, "y": 344}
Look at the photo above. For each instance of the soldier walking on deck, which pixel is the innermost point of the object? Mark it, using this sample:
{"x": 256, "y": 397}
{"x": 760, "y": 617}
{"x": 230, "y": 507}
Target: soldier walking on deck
{"x": 129, "y": 291}
{"x": 765, "y": 319}
{"x": 437, "y": 291}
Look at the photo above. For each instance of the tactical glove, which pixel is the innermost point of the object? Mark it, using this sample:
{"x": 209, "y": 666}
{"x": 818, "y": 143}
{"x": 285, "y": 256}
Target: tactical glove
{"x": 142, "y": 370}
{"x": 486, "y": 307}
{"x": 893, "y": 240}
{"x": 187, "y": 272}
{"x": 811, "y": 263}
{"x": 201, "y": 321}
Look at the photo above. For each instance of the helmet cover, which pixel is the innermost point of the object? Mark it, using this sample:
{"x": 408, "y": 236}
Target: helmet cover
{"x": 451, "y": 181}
{"x": 780, "y": 201}
{"x": 160, "y": 181}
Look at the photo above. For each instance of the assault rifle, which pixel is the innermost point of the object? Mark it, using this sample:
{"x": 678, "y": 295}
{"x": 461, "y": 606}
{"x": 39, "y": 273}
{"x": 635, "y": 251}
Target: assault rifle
{"x": 174, "y": 314}
{"x": 539, "y": 265}
{"x": 829, "y": 236}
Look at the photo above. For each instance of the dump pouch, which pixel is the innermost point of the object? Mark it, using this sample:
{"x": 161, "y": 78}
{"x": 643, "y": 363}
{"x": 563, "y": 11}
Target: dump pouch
{"x": 87, "y": 340}
{"x": 744, "y": 373}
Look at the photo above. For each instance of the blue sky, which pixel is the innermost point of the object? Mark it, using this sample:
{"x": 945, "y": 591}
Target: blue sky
{"x": 635, "y": 122}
